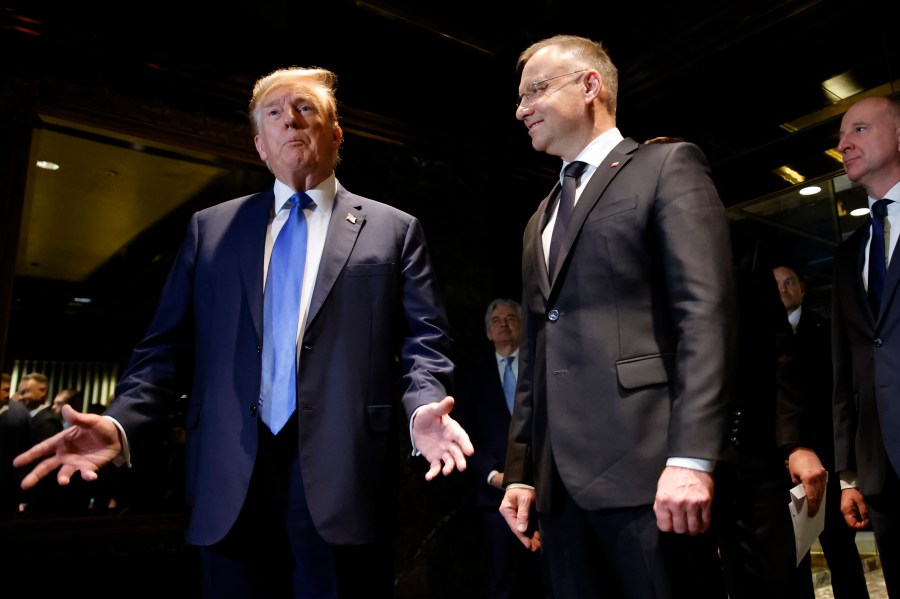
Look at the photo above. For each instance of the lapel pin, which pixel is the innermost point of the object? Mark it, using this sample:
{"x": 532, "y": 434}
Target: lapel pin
{"x": 351, "y": 218}
{"x": 614, "y": 165}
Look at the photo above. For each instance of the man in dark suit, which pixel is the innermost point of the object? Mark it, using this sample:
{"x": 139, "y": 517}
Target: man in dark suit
{"x": 34, "y": 393}
{"x": 769, "y": 448}
{"x": 297, "y": 506}
{"x": 15, "y": 437}
{"x": 622, "y": 403}
{"x": 866, "y": 334}
{"x": 484, "y": 410}
{"x": 812, "y": 355}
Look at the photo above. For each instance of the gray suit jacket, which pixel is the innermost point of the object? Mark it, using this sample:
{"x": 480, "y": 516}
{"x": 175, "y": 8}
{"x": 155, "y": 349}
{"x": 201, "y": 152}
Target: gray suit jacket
{"x": 627, "y": 349}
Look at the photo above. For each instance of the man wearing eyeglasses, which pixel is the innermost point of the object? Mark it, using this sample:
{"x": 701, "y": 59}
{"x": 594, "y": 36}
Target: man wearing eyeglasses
{"x": 621, "y": 400}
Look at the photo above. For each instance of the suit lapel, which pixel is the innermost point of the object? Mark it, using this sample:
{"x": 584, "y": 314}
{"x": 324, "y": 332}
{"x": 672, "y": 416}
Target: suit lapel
{"x": 251, "y": 253}
{"x": 539, "y": 263}
{"x": 347, "y": 220}
{"x": 605, "y": 173}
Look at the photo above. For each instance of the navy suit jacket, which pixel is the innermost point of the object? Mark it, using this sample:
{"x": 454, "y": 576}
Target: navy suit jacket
{"x": 375, "y": 333}
{"x": 484, "y": 415}
{"x": 627, "y": 348}
{"x": 866, "y": 358}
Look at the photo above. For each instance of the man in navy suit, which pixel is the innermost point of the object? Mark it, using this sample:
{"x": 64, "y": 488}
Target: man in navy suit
{"x": 622, "y": 403}
{"x": 866, "y": 337}
{"x": 300, "y": 511}
{"x": 515, "y": 572}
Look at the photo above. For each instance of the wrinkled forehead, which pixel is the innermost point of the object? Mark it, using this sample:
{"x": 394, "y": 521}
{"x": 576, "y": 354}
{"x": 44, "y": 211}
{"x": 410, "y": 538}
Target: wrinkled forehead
{"x": 291, "y": 91}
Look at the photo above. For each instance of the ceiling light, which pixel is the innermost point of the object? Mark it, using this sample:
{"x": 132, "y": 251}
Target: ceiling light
{"x": 790, "y": 175}
{"x": 47, "y": 165}
{"x": 859, "y": 212}
{"x": 810, "y": 191}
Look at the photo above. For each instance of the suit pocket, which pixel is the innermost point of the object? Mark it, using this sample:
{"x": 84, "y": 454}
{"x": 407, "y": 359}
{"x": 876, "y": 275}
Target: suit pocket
{"x": 380, "y": 418}
{"x": 606, "y": 209}
{"x": 635, "y": 373}
{"x": 369, "y": 270}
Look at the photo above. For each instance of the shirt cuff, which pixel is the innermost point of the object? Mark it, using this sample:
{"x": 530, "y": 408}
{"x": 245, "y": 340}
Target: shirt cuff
{"x": 412, "y": 441}
{"x": 125, "y": 456}
{"x": 692, "y": 463}
{"x": 491, "y": 475}
{"x": 519, "y": 486}
{"x": 848, "y": 479}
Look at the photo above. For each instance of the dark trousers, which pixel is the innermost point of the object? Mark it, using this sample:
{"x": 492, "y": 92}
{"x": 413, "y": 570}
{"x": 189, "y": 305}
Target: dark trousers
{"x": 274, "y": 551}
{"x": 884, "y": 513}
{"x": 848, "y": 579}
{"x": 514, "y": 571}
{"x": 755, "y": 530}
{"x": 621, "y": 553}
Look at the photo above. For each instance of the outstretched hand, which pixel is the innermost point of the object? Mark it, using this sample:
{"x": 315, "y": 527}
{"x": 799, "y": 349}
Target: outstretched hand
{"x": 441, "y": 439}
{"x": 89, "y": 444}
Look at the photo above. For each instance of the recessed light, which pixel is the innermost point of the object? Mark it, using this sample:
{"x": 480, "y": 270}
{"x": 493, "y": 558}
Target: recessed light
{"x": 47, "y": 165}
{"x": 810, "y": 191}
{"x": 859, "y": 212}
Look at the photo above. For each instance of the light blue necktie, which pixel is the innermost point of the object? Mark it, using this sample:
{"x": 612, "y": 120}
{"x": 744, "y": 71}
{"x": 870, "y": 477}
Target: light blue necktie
{"x": 281, "y": 310}
{"x": 509, "y": 382}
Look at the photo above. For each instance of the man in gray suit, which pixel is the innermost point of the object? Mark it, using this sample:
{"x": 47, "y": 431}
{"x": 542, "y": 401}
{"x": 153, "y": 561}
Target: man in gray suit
{"x": 621, "y": 407}
{"x": 866, "y": 336}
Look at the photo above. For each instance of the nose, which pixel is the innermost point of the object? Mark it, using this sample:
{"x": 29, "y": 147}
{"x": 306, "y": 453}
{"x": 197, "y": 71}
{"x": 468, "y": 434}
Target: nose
{"x": 843, "y": 144}
{"x": 523, "y": 110}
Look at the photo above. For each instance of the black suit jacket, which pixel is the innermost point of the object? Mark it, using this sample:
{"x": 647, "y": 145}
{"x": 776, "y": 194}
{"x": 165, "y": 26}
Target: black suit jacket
{"x": 626, "y": 348}
{"x": 15, "y": 437}
{"x": 812, "y": 344}
{"x": 866, "y": 358}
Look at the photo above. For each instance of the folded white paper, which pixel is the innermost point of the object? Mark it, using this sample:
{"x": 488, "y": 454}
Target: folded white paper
{"x": 806, "y": 529}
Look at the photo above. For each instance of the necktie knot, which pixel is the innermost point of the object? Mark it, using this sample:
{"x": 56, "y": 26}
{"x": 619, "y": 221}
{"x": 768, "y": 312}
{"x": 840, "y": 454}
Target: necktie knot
{"x": 575, "y": 169}
{"x": 880, "y": 208}
{"x": 300, "y": 200}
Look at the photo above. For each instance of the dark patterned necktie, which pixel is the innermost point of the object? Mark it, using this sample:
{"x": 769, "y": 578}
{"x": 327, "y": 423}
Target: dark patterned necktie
{"x": 877, "y": 255}
{"x": 564, "y": 213}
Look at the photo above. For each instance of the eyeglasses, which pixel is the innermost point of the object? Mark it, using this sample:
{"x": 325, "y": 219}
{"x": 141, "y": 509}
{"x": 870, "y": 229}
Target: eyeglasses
{"x": 536, "y": 90}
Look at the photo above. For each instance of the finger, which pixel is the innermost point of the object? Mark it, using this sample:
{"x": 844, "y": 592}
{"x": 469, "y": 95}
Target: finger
{"x": 663, "y": 518}
{"x": 458, "y": 457}
{"x": 522, "y": 517}
{"x": 433, "y": 471}
{"x": 64, "y": 476}
{"x": 41, "y": 470}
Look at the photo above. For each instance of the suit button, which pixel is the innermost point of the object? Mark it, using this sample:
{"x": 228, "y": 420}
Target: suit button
{"x": 878, "y": 342}
{"x": 253, "y": 409}
{"x": 258, "y": 348}
{"x": 553, "y": 315}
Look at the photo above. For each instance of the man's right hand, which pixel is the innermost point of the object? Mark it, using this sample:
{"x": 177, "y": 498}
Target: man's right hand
{"x": 853, "y": 506}
{"x": 515, "y": 509}
{"x": 89, "y": 444}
